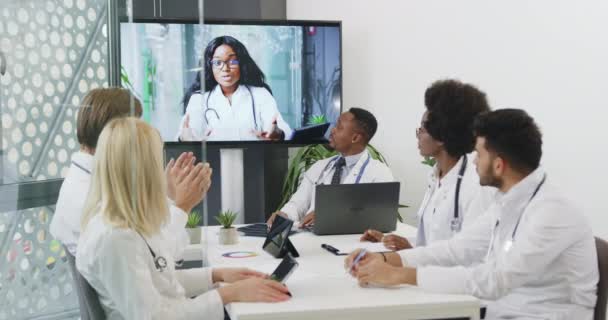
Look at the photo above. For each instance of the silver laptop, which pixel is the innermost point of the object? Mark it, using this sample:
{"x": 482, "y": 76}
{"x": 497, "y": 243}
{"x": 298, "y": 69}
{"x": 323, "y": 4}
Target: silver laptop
{"x": 354, "y": 208}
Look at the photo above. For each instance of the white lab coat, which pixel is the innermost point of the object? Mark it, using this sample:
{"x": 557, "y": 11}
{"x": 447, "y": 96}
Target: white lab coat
{"x": 119, "y": 266}
{"x": 65, "y": 225}
{"x": 436, "y": 211}
{"x": 549, "y": 272}
{"x": 234, "y": 121}
{"x": 303, "y": 200}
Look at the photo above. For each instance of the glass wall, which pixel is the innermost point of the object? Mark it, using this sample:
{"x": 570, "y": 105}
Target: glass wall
{"x": 54, "y": 52}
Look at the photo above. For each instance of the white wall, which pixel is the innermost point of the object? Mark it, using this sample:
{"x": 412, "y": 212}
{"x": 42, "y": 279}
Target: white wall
{"x": 549, "y": 57}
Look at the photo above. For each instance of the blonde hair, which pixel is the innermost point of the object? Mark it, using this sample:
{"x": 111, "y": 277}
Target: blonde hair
{"x": 128, "y": 186}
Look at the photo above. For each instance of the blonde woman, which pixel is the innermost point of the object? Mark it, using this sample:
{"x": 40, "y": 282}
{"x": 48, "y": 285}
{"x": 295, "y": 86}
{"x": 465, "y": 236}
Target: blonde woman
{"x": 121, "y": 249}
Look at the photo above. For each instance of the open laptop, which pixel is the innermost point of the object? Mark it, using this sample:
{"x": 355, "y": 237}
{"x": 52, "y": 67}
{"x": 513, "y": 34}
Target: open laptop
{"x": 354, "y": 208}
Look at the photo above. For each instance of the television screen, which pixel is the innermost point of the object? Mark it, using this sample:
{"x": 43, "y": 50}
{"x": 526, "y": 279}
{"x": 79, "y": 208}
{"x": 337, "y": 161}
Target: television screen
{"x": 235, "y": 81}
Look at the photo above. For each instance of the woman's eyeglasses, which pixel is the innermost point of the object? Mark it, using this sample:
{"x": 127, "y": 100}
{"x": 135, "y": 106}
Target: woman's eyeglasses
{"x": 220, "y": 64}
{"x": 420, "y": 130}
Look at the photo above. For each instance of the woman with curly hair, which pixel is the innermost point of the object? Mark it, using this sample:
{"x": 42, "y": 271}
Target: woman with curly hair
{"x": 452, "y": 199}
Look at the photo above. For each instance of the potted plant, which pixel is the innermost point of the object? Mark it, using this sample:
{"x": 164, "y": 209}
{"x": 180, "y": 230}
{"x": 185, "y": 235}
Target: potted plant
{"x": 228, "y": 234}
{"x": 192, "y": 227}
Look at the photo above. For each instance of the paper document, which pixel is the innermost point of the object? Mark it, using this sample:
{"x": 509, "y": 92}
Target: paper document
{"x": 369, "y": 246}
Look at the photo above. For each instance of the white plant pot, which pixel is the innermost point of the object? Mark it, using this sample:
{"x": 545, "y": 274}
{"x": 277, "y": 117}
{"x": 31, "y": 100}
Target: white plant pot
{"x": 194, "y": 234}
{"x": 228, "y": 236}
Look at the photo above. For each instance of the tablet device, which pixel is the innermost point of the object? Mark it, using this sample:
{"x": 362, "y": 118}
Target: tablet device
{"x": 277, "y": 241}
{"x": 285, "y": 269}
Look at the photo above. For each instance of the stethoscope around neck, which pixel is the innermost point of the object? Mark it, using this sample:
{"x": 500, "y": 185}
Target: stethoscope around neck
{"x": 81, "y": 167}
{"x": 217, "y": 116}
{"x": 160, "y": 262}
{"x": 456, "y": 222}
{"x": 509, "y": 243}
{"x": 326, "y": 170}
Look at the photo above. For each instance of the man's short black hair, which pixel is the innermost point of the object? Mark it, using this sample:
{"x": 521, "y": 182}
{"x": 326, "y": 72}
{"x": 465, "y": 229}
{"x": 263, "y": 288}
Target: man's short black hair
{"x": 365, "y": 121}
{"x": 452, "y": 107}
{"x": 514, "y": 136}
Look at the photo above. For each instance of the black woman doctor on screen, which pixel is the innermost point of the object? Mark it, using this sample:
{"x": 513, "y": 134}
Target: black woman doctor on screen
{"x": 454, "y": 196}
{"x": 237, "y": 104}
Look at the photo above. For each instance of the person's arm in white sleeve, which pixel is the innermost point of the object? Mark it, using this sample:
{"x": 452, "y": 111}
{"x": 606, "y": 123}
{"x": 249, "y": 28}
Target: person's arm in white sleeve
{"x": 478, "y": 200}
{"x": 175, "y": 231}
{"x": 283, "y": 125}
{"x": 195, "y": 117}
{"x": 128, "y": 276}
{"x": 300, "y": 201}
{"x": 466, "y": 248}
{"x": 384, "y": 174}
{"x": 269, "y": 112}
{"x": 195, "y": 281}
{"x": 546, "y": 234}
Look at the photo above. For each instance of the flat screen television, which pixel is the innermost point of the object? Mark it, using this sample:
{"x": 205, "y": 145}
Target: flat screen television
{"x": 235, "y": 81}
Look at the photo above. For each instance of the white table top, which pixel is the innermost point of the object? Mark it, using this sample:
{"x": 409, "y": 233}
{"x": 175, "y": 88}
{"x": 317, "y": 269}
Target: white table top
{"x": 321, "y": 288}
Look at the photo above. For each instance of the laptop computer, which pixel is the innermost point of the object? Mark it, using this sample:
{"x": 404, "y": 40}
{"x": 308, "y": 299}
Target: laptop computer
{"x": 313, "y": 133}
{"x": 354, "y": 208}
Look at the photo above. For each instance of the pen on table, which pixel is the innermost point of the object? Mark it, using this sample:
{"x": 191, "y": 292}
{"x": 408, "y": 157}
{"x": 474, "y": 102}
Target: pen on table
{"x": 330, "y": 248}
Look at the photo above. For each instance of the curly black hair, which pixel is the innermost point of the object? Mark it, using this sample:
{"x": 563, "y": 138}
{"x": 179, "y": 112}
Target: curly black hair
{"x": 251, "y": 74}
{"x": 513, "y": 135}
{"x": 452, "y": 107}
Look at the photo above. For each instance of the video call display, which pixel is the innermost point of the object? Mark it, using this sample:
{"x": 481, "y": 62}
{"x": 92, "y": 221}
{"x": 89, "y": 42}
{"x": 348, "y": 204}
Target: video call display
{"x": 234, "y": 82}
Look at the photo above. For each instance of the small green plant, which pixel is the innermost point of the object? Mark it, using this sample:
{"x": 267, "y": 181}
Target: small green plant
{"x": 226, "y": 218}
{"x": 317, "y": 119}
{"x": 429, "y": 161}
{"x": 194, "y": 218}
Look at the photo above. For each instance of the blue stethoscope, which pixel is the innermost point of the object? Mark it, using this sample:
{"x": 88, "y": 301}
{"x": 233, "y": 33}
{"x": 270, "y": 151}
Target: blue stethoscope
{"x": 456, "y": 222}
{"x": 217, "y": 116}
{"x": 325, "y": 171}
{"x": 509, "y": 243}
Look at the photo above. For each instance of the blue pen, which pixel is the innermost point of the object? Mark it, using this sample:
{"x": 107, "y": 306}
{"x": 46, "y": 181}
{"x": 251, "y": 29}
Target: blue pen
{"x": 357, "y": 259}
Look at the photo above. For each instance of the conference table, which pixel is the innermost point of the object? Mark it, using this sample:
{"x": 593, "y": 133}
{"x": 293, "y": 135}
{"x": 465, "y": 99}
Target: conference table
{"x": 321, "y": 287}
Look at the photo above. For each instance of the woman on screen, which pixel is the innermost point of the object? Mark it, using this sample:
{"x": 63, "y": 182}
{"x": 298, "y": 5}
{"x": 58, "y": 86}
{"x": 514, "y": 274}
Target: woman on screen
{"x": 237, "y": 104}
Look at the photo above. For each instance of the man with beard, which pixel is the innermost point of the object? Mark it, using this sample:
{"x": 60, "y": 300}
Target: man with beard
{"x": 531, "y": 255}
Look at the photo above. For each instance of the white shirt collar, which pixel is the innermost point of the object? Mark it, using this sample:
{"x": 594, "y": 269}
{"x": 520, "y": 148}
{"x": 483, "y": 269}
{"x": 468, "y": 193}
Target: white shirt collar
{"x": 450, "y": 177}
{"x": 83, "y": 160}
{"x": 521, "y": 192}
{"x": 352, "y": 160}
{"x": 241, "y": 90}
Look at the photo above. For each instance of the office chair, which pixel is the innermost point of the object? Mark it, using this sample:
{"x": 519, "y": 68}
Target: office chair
{"x": 602, "y": 286}
{"x": 90, "y": 307}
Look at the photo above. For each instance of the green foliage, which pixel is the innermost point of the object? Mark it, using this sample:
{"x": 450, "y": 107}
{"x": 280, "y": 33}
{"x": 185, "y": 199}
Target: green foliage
{"x": 317, "y": 119}
{"x": 124, "y": 79}
{"x": 226, "y": 218}
{"x": 428, "y": 161}
{"x": 301, "y": 162}
{"x": 194, "y": 219}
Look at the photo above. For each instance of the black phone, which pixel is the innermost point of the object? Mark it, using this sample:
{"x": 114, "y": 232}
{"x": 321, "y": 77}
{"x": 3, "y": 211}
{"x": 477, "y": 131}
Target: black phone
{"x": 285, "y": 269}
